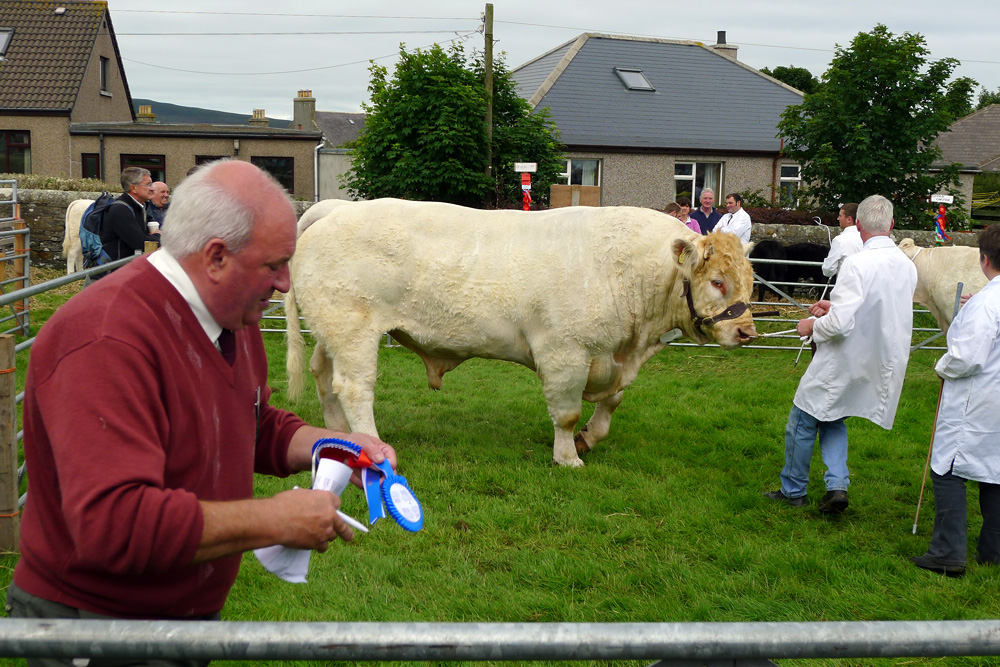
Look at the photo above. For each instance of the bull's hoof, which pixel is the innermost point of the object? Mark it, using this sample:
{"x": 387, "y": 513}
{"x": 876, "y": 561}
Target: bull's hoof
{"x": 571, "y": 463}
{"x": 580, "y": 440}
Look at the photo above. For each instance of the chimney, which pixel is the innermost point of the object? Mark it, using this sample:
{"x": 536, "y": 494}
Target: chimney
{"x": 258, "y": 119}
{"x": 727, "y": 50}
{"x": 304, "y": 112}
{"x": 145, "y": 114}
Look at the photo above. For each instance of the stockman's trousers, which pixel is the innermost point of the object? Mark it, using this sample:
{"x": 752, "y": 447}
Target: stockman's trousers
{"x": 21, "y": 604}
{"x": 800, "y": 438}
{"x": 951, "y": 527}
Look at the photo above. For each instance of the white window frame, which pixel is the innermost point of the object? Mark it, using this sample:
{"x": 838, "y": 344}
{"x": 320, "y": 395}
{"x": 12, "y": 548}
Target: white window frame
{"x": 693, "y": 179}
{"x": 791, "y": 182}
{"x": 566, "y": 176}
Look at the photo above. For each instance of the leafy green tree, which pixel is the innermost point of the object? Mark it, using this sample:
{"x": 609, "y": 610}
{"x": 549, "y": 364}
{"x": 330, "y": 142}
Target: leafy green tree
{"x": 425, "y": 135}
{"x": 988, "y": 97}
{"x": 870, "y": 126}
{"x": 797, "y": 77}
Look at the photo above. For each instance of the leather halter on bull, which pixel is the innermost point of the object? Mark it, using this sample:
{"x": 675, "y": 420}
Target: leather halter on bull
{"x": 730, "y": 313}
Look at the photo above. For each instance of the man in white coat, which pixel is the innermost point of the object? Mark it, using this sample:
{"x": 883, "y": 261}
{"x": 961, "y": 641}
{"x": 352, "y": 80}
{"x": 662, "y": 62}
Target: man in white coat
{"x": 737, "y": 221}
{"x": 967, "y": 433}
{"x": 846, "y": 243}
{"x": 862, "y": 335}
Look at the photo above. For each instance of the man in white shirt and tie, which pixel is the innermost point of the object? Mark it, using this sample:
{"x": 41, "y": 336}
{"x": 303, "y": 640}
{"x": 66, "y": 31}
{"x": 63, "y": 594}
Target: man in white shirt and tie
{"x": 737, "y": 221}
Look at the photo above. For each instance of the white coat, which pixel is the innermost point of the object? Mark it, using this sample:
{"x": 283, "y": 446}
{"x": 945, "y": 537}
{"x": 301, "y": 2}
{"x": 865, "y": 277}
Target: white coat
{"x": 968, "y": 423}
{"x": 863, "y": 342}
{"x": 843, "y": 246}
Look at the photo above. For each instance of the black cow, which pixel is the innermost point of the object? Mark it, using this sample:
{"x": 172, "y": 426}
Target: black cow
{"x": 768, "y": 249}
{"x": 806, "y": 252}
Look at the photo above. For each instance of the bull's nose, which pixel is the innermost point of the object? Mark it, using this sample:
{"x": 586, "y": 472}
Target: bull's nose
{"x": 746, "y": 334}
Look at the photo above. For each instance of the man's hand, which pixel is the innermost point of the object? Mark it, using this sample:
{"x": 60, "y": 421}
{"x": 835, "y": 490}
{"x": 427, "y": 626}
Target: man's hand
{"x": 820, "y": 308}
{"x": 300, "y": 449}
{"x": 805, "y": 327}
{"x": 965, "y": 298}
{"x": 309, "y": 519}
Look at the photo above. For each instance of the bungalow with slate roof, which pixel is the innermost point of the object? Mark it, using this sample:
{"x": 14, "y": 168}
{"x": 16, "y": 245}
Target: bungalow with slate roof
{"x": 650, "y": 119}
{"x": 974, "y": 143}
{"x": 66, "y": 109}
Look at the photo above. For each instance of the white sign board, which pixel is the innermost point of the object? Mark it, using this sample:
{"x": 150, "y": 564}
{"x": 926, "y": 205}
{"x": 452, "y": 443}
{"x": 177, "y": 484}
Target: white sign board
{"x": 942, "y": 199}
{"x": 530, "y": 167}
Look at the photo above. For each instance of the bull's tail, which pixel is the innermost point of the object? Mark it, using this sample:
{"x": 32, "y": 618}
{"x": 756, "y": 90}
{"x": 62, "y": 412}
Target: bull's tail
{"x": 295, "y": 357}
{"x": 68, "y": 236}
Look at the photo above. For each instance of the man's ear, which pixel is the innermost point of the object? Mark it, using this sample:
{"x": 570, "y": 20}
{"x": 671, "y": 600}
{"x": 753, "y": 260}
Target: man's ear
{"x": 215, "y": 259}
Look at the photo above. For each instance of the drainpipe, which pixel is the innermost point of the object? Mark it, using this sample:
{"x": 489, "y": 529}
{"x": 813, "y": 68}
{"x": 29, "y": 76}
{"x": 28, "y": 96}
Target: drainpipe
{"x": 774, "y": 171}
{"x": 101, "y": 156}
{"x": 316, "y": 170}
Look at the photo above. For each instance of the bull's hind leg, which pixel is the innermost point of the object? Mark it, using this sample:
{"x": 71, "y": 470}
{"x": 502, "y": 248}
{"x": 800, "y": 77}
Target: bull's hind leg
{"x": 564, "y": 375}
{"x": 322, "y": 370}
{"x": 599, "y": 425}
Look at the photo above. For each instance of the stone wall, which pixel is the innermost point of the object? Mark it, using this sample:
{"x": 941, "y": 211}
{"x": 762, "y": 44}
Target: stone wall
{"x": 815, "y": 234}
{"x": 45, "y": 213}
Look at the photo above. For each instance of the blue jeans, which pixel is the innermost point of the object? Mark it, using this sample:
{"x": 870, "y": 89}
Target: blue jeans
{"x": 800, "y": 437}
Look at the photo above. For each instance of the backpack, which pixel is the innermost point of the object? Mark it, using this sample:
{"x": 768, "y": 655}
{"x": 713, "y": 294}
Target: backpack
{"x": 90, "y": 231}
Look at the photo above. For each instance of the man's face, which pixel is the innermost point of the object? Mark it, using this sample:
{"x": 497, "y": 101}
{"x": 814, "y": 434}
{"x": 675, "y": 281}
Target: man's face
{"x": 142, "y": 192}
{"x": 844, "y": 220}
{"x": 161, "y": 195}
{"x": 731, "y": 205}
{"x": 257, "y": 270}
{"x": 707, "y": 200}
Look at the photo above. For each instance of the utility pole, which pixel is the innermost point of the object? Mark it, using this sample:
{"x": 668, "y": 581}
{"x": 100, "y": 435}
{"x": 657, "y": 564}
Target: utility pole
{"x": 488, "y": 57}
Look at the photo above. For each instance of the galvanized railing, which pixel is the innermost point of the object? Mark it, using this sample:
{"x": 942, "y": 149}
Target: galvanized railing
{"x": 670, "y": 643}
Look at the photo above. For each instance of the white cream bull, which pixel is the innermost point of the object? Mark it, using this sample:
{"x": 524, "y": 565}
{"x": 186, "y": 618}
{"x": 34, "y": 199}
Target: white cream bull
{"x": 72, "y": 250}
{"x": 939, "y": 270}
{"x": 580, "y": 295}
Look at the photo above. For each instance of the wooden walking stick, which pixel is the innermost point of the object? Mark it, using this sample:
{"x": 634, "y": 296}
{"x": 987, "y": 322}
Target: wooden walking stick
{"x": 928, "y": 464}
{"x": 958, "y": 303}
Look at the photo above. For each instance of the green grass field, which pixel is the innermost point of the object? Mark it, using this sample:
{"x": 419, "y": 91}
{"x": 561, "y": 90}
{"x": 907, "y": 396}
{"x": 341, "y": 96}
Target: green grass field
{"x": 665, "y": 523}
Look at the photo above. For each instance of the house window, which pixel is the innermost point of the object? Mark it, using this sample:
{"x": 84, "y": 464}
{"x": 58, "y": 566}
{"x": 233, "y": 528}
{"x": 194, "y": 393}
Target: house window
{"x": 91, "y": 165}
{"x": 202, "y": 159}
{"x": 156, "y": 164}
{"x": 582, "y": 172}
{"x": 633, "y": 78}
{"x": 788, "y": 185}
{"x": 5, "y": 35}
{"x": 104, "y": 74}
{"x": 690, "y": 178}
{"x": 282, "y": 168}
{"x": 15, "y": 152}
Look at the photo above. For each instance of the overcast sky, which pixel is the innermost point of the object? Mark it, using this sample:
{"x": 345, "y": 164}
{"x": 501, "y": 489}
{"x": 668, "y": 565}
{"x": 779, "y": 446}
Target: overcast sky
{"x": 239, "y": 56}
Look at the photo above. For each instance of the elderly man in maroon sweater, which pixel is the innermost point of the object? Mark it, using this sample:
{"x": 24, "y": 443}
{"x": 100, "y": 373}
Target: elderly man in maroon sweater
{"x": 146, "y": 415}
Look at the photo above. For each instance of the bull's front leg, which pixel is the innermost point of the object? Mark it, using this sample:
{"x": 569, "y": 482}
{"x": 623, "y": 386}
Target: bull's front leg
{"x": 600, "y": 423}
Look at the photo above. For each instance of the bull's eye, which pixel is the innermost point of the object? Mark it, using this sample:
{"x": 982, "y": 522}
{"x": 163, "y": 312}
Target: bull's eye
{"x": 719, "y": 285}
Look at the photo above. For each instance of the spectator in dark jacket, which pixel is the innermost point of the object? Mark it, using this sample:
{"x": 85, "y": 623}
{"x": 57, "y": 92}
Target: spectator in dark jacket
{"x": 706, "y": 216}
{"x": 156, "y": 207}
{"x": 124, "y": 228}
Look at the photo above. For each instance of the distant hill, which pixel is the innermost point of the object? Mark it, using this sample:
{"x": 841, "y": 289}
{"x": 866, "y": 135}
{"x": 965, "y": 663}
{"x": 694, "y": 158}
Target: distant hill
{"x": 174, "y": 113}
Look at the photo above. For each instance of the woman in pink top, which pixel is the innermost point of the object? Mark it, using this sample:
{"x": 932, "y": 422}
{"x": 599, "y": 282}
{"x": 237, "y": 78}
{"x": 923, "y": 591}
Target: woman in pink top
{"x": 685, "y": 214}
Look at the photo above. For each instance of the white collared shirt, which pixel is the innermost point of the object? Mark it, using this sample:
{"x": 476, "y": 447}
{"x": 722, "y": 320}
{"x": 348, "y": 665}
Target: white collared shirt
{"x": 171, "y": 269}
{"x": 844, "y": 245}
{"x": 736, "y": 223}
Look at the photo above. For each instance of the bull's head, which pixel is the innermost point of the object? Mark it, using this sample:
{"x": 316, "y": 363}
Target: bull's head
{"x": 717, "y": 280}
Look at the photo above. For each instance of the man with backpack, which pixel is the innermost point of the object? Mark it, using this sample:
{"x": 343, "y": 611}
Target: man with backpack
{"x": 123, "y": 230}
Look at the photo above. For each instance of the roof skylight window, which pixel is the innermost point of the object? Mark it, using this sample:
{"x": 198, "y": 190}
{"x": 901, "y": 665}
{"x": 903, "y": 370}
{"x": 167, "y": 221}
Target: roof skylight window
{"x": 633, "y": 78}
{"x": 5, "y": 35}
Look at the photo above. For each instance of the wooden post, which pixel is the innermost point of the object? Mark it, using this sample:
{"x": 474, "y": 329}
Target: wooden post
{"x": 10, "y": 519}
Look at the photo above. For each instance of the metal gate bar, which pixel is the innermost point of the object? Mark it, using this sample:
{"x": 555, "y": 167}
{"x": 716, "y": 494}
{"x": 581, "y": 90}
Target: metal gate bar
{"x": 219, "y": 640}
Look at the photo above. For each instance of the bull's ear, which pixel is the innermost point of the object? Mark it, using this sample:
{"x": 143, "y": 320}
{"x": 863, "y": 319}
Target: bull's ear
{"x": 906, "y": 244}
{"x": 708, "y": 251}
{"x": 684, "y": 251}
{"x": 747, "y": 248}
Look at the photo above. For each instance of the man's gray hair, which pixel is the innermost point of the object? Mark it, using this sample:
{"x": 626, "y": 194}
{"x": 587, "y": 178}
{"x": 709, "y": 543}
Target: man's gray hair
{"x": 133, "y": 176}
{"x": 708, "y": 190}
{"x": 875, "y": 215}
{"x": 202, "y": 208}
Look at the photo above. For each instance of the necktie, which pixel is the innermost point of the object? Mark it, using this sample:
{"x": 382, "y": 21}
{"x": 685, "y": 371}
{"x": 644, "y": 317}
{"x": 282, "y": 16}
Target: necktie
{"x": 227, "y": 345}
